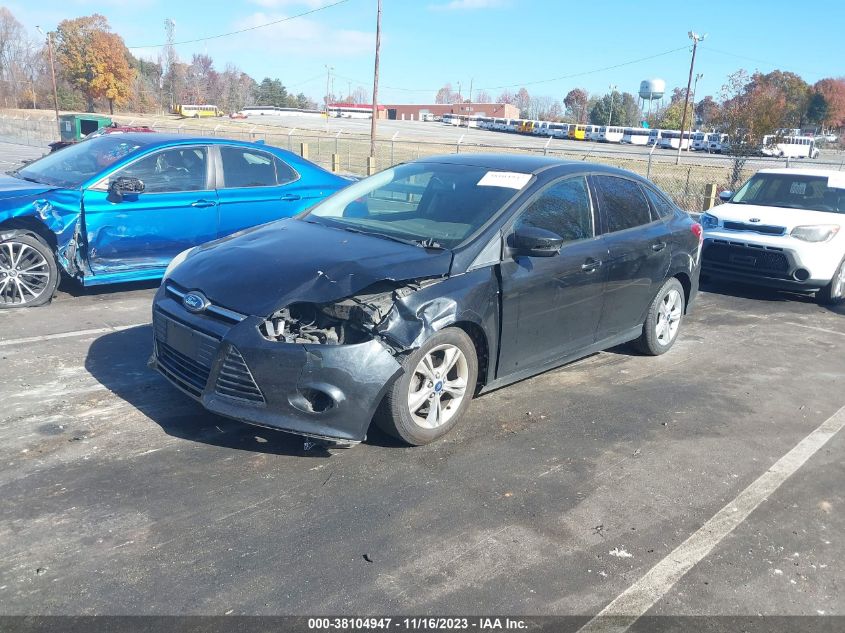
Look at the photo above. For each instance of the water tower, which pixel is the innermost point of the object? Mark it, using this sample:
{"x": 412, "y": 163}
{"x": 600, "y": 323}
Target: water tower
{"x": 651, "y": 90}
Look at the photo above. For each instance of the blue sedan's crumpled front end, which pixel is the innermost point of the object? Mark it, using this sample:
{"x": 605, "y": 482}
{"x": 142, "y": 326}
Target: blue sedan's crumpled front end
{"x": 221, "y": 359}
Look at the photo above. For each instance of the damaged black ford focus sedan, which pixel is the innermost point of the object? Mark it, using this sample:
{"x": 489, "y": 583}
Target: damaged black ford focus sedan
{"x": 399, "y": 298}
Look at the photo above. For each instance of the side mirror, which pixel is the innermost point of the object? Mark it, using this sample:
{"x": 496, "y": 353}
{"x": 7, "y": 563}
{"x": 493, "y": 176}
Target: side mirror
{"x": 726, "y": 195}
{"x": 123, "y": 185}
{"x": 532, "y": 241}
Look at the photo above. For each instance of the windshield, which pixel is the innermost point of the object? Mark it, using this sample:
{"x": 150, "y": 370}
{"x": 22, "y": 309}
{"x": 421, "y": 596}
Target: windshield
{"x": 75, "y": 164}
{"x": 793, "y": 191}
{"x": 426, "y": 203}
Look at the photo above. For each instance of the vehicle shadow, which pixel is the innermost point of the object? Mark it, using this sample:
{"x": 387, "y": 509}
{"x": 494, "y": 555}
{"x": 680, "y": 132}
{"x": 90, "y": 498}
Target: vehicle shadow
{"x": 762, "y": 293}
{"x": 119, "y": 362}
{"x": 73, "y": 288}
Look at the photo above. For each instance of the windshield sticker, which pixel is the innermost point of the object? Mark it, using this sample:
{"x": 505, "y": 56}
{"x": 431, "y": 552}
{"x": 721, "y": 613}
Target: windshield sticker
{"x": 836, "y": 181}
{"x": 509, "y": 179}
{"x": 798, "y": 188}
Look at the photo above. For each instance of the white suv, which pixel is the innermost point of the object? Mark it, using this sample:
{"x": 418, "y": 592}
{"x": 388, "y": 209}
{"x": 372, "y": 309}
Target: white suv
{"x": 784, "y": 228}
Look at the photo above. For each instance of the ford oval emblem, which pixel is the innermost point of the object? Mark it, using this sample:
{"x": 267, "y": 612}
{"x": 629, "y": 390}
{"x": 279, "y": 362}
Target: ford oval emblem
{"x": 194, "y": 302}
{"x": 753, "y": 219}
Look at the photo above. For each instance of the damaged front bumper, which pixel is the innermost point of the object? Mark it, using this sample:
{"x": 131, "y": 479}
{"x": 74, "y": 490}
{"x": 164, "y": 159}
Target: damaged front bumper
{"x": 224, "y": 362}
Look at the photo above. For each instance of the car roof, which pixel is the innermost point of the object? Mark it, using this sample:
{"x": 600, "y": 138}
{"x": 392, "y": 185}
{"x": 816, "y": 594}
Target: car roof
{"x": 152, "y": 139}
{"x": 801, "y": 171}
{"x": 526, "y": 164}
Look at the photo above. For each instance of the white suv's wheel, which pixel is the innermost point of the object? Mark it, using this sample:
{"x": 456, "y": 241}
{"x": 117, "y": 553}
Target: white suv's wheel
{"x": 834, "y": 292}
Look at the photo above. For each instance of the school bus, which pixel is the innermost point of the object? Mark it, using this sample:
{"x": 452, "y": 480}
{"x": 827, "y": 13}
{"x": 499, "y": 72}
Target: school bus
{"x": 578, "y": 132}
{"x": 190, "y": 111}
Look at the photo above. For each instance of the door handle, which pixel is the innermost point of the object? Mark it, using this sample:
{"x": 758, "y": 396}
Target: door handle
{"x": 659, "y": 246}
{"x": 591, "y": 265}
{"x": 290, "y": 197}
{"x": 201, "y": 204}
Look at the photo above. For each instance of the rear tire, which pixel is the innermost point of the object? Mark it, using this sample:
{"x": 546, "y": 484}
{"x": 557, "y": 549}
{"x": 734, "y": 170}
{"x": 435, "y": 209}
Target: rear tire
{"x": 434, "y": 391}
{"x": 29, "y": 274}
{"x": 663, "y": 321}
{"x": 834, "y": 292}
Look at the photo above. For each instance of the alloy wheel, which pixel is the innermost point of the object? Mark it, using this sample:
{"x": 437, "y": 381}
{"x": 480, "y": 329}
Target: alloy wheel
{"x": 24, "y": 273}
{"x": 438, "y": 386}
{"x": 837, "y": 284}
{"x": 669, "y": 314}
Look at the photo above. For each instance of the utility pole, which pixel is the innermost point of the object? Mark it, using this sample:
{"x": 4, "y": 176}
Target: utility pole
{"x": 375, "y": 85}
{"x": 470, "y": 90}
{"x": 610, "y": 112}
{"x": 692, "y": 118}
{"x": 53, "y": 74}
{"x": 696, "y": 38}
{"x": 329, "y": 70}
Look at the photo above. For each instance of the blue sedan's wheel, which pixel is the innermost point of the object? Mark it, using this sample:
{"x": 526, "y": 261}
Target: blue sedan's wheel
{"x": 28, "y": 271}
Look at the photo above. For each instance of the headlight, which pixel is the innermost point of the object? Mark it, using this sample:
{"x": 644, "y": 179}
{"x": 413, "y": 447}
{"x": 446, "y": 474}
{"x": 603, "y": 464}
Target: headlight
{"x": 181, "y": 257}
{"x": 708, "y": 221}
{"x": 815, "y": 232}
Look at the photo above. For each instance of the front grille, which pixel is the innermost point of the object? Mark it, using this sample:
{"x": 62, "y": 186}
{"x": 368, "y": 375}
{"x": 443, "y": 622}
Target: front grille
{"x": 190, "y": 367}
{"x": 235, "y": 380}
{"x": 757, "y": 228}
{"x": 747, "y": 257}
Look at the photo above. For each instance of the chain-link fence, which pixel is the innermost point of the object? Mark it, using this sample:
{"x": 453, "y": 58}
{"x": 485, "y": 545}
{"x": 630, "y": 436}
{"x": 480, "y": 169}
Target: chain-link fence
{"x": 694, "y": 182}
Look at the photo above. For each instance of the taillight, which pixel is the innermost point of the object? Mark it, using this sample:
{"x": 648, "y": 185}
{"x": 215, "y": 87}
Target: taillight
{"x": 697, "y": 231}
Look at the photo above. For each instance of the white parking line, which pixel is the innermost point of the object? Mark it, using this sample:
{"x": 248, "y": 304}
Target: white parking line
{"x": 813, "y": 327}
{"x": 635, "y": 601}
{"x": 50, "y": 337}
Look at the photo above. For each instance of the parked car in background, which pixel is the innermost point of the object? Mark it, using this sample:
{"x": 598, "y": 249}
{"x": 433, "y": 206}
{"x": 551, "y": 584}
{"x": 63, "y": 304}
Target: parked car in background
{"x": 119, "y": 207}
{"x": 783, "y": 228}
{"x": 403, "y": 295}
{"x": 117, "y": 128}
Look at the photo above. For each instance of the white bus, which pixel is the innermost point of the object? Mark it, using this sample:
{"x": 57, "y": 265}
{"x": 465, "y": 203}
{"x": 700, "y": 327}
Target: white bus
{"x": 654, "y": 137}
{"x": 611, "y": 134}
{"x": 790, "y": 146}
{"x": 636, "y": 135}
{"x": 718, "y": 143}
{"x": 558, "y": 130}
{"x": 592, "y": 133}
{"x": 450, "y": 119}
{"x": 670, "y": 139}
{"x": 699, "y": 141}
{"x": 485, "y": 123}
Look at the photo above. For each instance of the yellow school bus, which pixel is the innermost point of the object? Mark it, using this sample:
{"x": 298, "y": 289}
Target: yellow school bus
{"x": 578, "y": 132}
{"x": 196, "y": 111}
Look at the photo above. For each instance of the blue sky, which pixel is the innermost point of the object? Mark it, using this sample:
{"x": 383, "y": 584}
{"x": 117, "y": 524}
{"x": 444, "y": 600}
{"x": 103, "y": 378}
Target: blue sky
{"x": 493, "y": 43}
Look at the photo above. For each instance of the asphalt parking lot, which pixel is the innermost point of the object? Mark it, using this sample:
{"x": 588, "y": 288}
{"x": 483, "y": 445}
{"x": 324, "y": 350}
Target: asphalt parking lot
{"x": 574, "y": 492}
{"x": 555, "y": 496}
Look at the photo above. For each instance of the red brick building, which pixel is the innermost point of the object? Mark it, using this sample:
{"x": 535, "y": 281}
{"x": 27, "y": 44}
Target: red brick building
{"x": 414, "y": 112}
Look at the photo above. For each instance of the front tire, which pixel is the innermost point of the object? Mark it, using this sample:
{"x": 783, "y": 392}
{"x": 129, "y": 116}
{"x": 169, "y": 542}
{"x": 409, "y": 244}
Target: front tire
{"x": 834, "y": 292}
{"x": 663, "y": 321}
{"x": 29, "y": 274}
{"x": 435, "y": 390}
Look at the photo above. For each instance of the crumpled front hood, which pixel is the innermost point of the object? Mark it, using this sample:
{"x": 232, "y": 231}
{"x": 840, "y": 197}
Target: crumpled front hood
{"x": 261, "y": 270}
{"x": 11, "y": 187}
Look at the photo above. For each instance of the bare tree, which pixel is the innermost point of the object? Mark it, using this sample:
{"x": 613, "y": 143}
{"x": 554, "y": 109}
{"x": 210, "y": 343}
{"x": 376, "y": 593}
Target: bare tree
{"x": 445, "y": 94}
{"x": 483, "y": 97}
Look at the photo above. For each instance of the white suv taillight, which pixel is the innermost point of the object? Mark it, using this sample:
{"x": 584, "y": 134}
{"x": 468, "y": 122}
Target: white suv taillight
{"x": 815, "y": 232}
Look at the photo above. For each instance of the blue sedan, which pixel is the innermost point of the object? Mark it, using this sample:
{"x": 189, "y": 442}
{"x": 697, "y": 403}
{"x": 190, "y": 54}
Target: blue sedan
{"x": 119, "y": 208}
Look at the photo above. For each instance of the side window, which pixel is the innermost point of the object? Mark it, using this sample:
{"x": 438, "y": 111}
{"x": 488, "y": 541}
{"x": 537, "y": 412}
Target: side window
{"x": 563, "y": 208}
{"x": 170, "y": 170}
{"x": 622, "y": 202}
{"x": 245, "y": 167}
{"x": 661, "y": 205}
{"x": 284, "y": 173}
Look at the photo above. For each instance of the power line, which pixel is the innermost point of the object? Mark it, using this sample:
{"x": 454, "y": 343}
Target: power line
{"x": 751, "y": 59}
{"x": 541, "y": 81}
{"x": 250, "y": 28}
